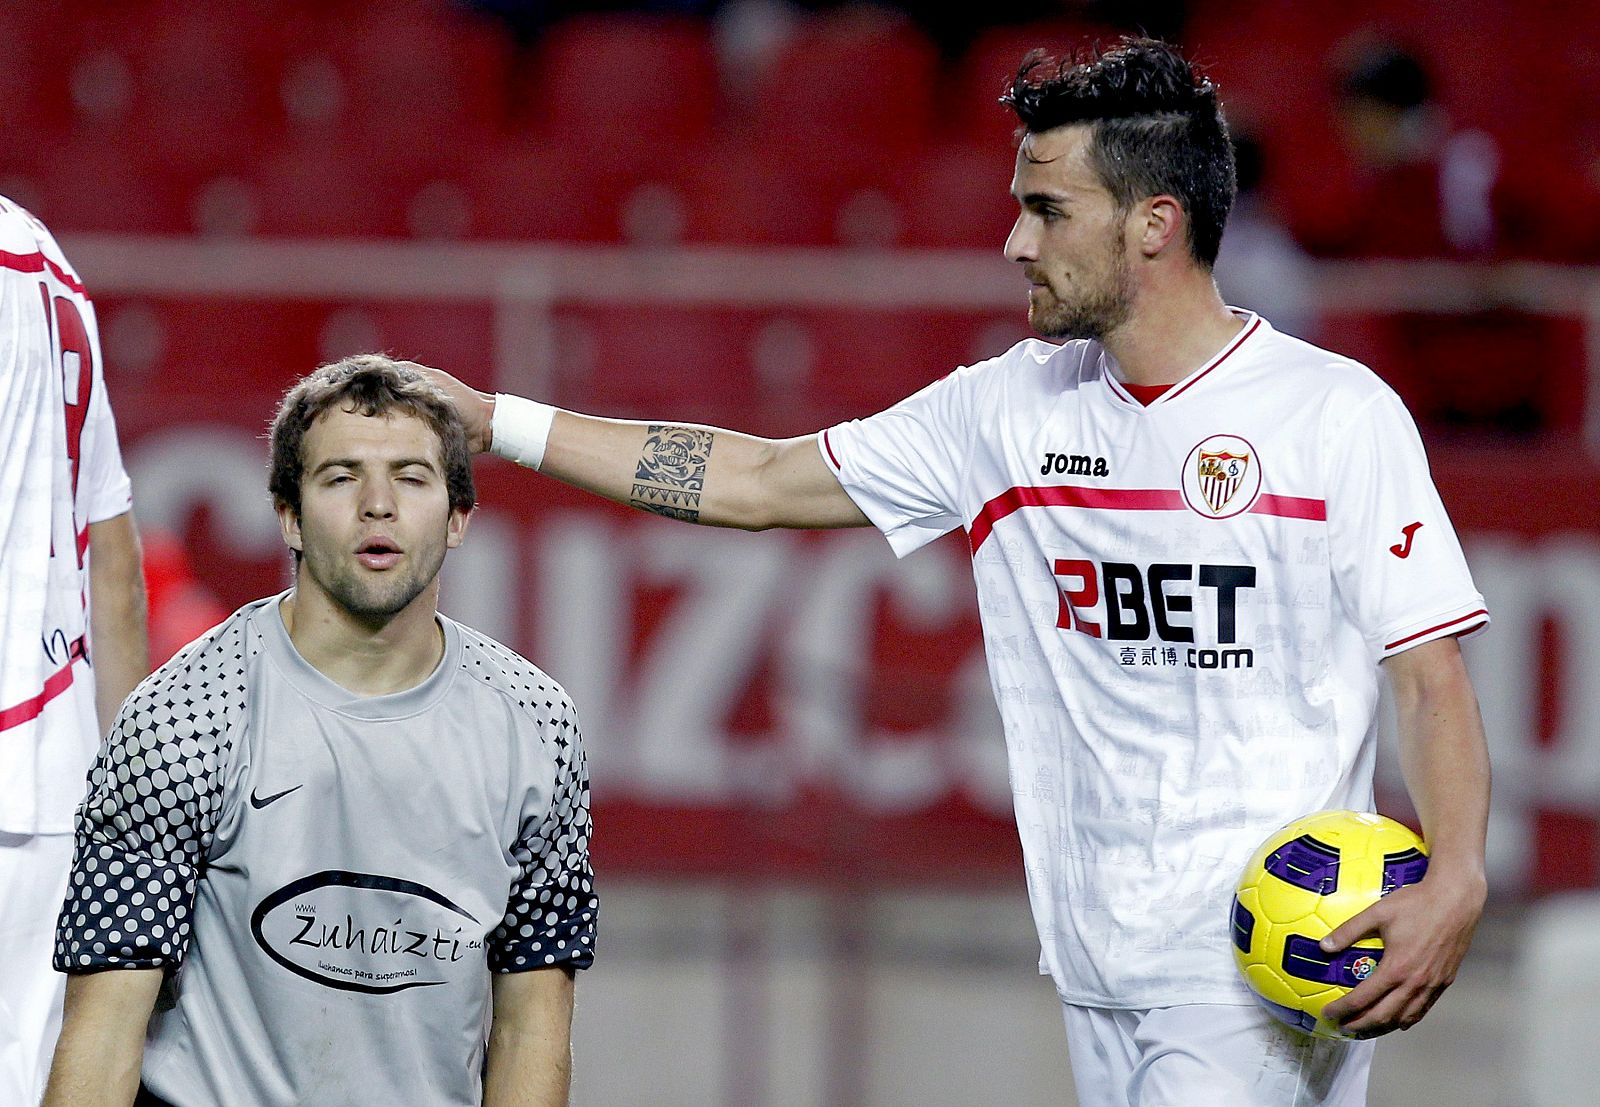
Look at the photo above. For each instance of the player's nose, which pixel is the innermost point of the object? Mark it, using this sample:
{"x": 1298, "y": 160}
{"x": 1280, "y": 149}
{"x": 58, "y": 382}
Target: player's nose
{"x": 377, "y": 500}
{"x": 1021, "y": 243}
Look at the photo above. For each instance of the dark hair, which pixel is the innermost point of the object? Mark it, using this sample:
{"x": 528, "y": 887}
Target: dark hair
{"x": 370, "y": 384}
{"x": 1157, "y": 127}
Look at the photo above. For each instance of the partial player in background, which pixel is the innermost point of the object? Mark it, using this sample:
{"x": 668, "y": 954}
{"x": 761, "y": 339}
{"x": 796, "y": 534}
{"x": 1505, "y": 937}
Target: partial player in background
{"x": 72, "y": 615}
{"x": 1197, "y": 541}
{"x": 360, "y": 828}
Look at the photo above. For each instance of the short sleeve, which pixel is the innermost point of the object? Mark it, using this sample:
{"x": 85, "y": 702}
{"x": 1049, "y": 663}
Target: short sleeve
{"x": 552, "y": 909}
{"x": 142, "y": 832}
{"x": 904, "y": 466}
{"x": 106, "y": 490}
{"x": 1397, "y": 563}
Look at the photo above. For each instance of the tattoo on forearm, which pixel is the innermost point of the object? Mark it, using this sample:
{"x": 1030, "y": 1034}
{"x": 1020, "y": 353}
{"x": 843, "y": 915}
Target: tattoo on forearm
{"x": 672, "y": 472}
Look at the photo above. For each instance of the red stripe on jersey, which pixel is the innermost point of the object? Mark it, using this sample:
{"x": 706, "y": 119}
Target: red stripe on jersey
{"x": 1224, "y": 356}
{"x": 1290, "y": 507}
{"x": 1066, "y": 495}
{"x": 55, "y": 684}
{"x": 1121, "y": 499}
{"x": 828, "y": 446}
{"x": 83, "y": 542}
{"x": 1476, "y": 616}
{"x": 37, "y": 263}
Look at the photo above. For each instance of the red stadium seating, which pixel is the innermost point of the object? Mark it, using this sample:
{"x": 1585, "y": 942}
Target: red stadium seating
{"x": 521, "y": 189}
{"x": 97, "y": 182}
{"x": 34, "y": 89}
{"x": 856, "y": 89}
{"x": 315, "y": 190}
{"x": 205, "y": 83}
{"x": 619, "y": 86}
{"x": 408, "y": 118}
{"x": 653, "y": 361}
{"x": 986, "y": 68}
{"x": 868, "y": 359}
{"x": 216, "y": 357}
{"x": 417, "y": 81}
{"x": 455, "y": 336}
{"x": 958, "y": 197}
{"x": 751, "y": 191}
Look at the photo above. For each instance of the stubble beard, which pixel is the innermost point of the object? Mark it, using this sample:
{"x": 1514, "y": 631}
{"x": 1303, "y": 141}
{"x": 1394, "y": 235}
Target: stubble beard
{"x": 373, "y": 598}
{"x": 1096, "y": 313}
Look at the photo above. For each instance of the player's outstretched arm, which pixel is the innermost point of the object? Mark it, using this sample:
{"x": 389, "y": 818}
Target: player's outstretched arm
{"x": 530, "y": 1040}
{"x": 682, "y": 471}
{"x": 1427, "y": 927}
{"x": 101, "y": 1046}
{"x": 118, "y": 637}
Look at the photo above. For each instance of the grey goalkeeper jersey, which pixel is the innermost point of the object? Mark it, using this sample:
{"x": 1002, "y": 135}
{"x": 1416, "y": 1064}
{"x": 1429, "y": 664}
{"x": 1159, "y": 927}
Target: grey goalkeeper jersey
{"x": 332, "y": 877}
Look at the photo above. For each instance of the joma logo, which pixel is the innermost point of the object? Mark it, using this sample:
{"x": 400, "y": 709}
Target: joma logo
{"x": 1074, "y": 465}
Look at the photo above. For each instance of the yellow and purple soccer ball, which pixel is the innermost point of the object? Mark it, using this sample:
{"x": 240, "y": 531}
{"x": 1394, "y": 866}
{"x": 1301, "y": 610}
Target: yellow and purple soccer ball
{"x": 1304, "y": 881}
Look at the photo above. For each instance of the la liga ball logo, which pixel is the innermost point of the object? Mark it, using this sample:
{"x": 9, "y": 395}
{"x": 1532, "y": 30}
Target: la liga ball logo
{"x": 1221, "y": 477}
{"x": 1362, "y": 967}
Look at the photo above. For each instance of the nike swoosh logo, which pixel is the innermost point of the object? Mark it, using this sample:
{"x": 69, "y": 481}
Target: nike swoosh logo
{"x": 1404, "y": 550}
{"x": 258, "y": 802}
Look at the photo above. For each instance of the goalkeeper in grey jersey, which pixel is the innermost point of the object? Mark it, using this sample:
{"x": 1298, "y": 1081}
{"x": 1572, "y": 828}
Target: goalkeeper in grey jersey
{"x": 336, "y": 851}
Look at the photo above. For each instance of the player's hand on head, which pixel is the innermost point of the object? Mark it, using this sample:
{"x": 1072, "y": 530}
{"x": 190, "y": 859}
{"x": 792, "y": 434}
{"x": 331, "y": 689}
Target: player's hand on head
{"x": 476, "y": 408}
{"x": 1426, "y": 929}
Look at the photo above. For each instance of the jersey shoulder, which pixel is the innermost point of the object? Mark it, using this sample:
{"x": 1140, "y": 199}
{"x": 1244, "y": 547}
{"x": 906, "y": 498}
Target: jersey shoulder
{"x": 202, "y": 689}
{"x": 1315, "y": 371}
{"x": 1035, "y": 355}
{"x": 22, "y": 232}
{"x": 1031, "y": 369}
{"x": 513, "y": 677}
{"x": 20, "y": 229}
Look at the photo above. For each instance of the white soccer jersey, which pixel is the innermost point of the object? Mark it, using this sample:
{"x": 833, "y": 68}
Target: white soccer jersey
{"x": 1183, "y": 607}
{"x": 60, "y": 470}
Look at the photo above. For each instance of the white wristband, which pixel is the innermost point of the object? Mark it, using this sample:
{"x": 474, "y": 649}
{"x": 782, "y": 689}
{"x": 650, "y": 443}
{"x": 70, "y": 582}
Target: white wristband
{"x": 520, "y": 429}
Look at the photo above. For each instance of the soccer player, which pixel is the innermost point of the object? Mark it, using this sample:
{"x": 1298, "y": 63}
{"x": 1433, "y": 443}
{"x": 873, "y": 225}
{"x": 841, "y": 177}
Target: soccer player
{"x": 1197, "y": 543}
{"x": 340, "y": 836}
{"x": 72, "y": 615}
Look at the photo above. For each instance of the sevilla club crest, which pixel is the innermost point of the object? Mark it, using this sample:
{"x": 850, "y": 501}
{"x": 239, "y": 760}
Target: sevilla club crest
{"x": 1221, "y": 473}
{"x": 1221, "y": 477}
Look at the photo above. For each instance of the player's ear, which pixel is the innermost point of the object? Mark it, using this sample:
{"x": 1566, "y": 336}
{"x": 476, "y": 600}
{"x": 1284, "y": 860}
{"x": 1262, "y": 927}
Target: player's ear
{"x": 456, "y": 528}
{"x": 1158, "y": 221}
{"x": 289, "y": 526}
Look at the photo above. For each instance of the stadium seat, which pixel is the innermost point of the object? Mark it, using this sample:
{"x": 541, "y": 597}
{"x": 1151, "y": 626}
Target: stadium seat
{"x": 753, "y": 192}
{"x": 1451, "y": 369}
{"x": 454, "y": 335}
{"x": 958, "y": 197}
{"x": 688, "y": 363}
{"x": 985, "y": 70}
{"x": 856, "y": 89}
{"x": 205, "y": 83}
{"x": 34, "y": 94}
{"x": 96, "y": 183}
{"x": 217, "y": 357}
{"x": 868, "y": 359}
{"x": 402, "y": 80}
{"x": 520, "y": 189}
{"x": 316, "y": 189}
{"x": 619, "y": 87}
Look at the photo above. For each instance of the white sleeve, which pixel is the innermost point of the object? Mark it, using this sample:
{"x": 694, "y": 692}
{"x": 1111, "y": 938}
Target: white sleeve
{"x": 104, "y": 487}
{"x": 904, "y": 466}
{"x": 1397, "y": 564}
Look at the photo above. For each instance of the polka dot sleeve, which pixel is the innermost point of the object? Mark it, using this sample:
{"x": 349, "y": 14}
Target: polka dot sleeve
{"x": 144, "y": 827}
{"x": 552, "y": 909}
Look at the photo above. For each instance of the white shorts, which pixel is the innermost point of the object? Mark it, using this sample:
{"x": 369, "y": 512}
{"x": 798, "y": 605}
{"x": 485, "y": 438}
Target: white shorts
{"x": 33, "y": 882}
{"x": 1209, "y": 1055}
